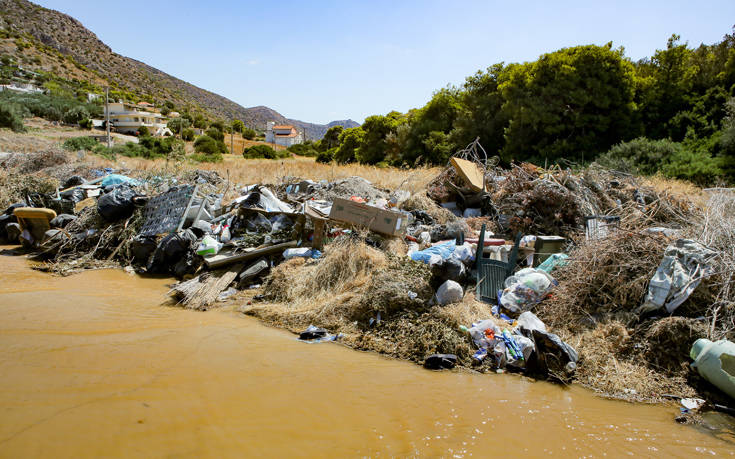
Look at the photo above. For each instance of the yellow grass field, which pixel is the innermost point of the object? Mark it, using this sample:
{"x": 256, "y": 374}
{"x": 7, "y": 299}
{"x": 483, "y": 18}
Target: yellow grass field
{"x": 250, "y": 171}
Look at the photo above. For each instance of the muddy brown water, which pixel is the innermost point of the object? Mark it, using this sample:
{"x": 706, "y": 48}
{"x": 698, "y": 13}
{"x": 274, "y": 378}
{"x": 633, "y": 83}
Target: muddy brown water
{"x": 92, "y": 365}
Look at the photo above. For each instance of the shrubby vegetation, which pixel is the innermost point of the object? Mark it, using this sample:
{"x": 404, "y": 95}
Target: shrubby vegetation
{"x": 80, "y": 143}
{"x": 206, "y": 158}
{"x": 209, "y": 145}
{"x": 248, "y": 133}
{"x": 264, "y": 151}
{"x": 15, "y": 106}
{"x": 187, "y": 134}
{"x": 304, "y": 149}
{"x": 11, "y": 116}
{"x": 673, "y": 113}
{"x": 147, "y": 147}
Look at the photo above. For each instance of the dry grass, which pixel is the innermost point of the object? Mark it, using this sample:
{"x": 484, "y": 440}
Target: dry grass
{"x": 420, "y": 201}
{"x": 236, "y": 144}
{"x": 679, "y": 189}
{"x": 606, "y": 370}
{"x": 606, "y": 278}
{"x": 241, "y": 171}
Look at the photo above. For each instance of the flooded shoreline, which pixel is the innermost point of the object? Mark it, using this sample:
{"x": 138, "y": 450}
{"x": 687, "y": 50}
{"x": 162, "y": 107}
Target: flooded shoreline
{"x": 95, "y": 366}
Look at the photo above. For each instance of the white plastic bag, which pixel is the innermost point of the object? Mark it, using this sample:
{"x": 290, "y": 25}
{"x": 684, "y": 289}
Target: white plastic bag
{"x": 449, "y": 292}
{"x": 529, "y": 321}
{"x": 208, "y": 247}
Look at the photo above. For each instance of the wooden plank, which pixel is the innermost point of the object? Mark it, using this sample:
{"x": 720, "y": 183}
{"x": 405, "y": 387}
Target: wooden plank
{"x": 470, "y": 173}
{"x": 221, "y": 260}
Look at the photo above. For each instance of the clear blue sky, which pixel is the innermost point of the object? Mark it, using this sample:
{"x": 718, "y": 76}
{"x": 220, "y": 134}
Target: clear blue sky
{"x": 322, "y": 61}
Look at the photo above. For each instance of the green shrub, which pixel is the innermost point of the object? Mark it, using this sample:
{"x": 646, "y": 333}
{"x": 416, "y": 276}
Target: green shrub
{"x": 641, "y": 155}
{"x": 76, "y": 114}
{"x": 215, "y": 133}
{"x": 326, "y": 157}
{"x": 206, "y": 158}
{"x": 208, "y": 145}
{"x": 11, "y": 117}
{"x": 248, "y": 133}
{"x": 264, "y": 151}
{"x": 80, "y": 143}
{"x": 188, "y": 134}
{"x": 696, "y": 166}
{"x": 303, "y": 149}
{"x": 143, "y": 131}
{"x": 86, "y": 123}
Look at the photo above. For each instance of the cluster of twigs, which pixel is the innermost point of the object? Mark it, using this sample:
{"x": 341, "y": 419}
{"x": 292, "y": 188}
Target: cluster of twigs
{"x": 717, "y": 231}
{"x": 606, "y": 278}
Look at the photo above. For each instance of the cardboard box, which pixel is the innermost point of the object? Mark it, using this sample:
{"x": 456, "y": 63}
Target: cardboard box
{"x": 378, "y": 220}
{"x": 470, "y": 173}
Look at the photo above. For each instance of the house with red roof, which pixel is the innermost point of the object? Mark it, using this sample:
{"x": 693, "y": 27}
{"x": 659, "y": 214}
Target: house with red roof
{"x": 283, "y": 134}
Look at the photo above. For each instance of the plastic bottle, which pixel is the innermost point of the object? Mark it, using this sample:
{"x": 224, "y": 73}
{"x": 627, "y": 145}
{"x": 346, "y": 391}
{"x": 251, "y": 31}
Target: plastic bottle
{"x": 225, "y": 236}
{"x": 716, "y": 363}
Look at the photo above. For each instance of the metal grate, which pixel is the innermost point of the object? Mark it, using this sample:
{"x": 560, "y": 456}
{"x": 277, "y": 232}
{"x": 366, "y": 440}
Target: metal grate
{"x": 166, "y": 212}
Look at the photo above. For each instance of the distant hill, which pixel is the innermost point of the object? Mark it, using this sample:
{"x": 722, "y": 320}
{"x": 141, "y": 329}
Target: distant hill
{"x": 55, "y": 42}
{"x": 345, "y": 123}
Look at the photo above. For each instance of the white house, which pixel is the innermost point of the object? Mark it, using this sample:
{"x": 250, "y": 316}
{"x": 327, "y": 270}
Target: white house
{"x": 282, "y": 134}
{"x": 128, "y": 118}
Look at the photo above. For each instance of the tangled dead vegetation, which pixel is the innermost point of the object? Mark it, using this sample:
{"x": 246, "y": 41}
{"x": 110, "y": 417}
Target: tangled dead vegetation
{"x": 88, "y": 242}
{"x": 15, "y": 187}
{"x": 607, "y": 279}
{"x": 378, "y": 301}
{"x": 608, "y": 366}
{"x": 420, "y": 201}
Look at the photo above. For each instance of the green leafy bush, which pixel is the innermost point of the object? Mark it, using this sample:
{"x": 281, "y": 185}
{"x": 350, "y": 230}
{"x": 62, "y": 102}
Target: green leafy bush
{"x": 11, "y": 116}
{"x": 80, "y": 143}
{"x": 143, "y": 131}
{"x": 641, "y": 155}
{"x": 303, "y": 149}
{"x": 248, "y": 133}
{"x": 215, "y": 133}
{"x": 696, "y": 166}
{"x": 326, "y": 157}
{"x": 86, "y": 123}
{"x": 206, "y": 158}
{"x": 264, "y": 151}
{"x": 75, "y": 114}
{"x": 51, "y": 107}
{"x": 177, "y": 125}
{"x": 187, "y": 134}
{"x": 208, "y": 145}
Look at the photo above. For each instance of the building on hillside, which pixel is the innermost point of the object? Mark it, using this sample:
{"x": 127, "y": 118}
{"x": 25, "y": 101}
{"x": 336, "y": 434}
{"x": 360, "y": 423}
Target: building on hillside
{"x": 128, "y": 118}
{"x": 21, "y": 87}
{"x": 282, "y": 134}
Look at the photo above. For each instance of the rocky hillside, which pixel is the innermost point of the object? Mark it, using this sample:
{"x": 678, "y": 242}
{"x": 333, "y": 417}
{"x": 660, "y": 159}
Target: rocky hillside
{"x": 51, "y": 40}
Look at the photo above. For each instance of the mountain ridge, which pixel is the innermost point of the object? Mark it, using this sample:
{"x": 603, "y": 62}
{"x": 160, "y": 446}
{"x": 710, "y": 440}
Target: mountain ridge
{"x": 96, "y": 61}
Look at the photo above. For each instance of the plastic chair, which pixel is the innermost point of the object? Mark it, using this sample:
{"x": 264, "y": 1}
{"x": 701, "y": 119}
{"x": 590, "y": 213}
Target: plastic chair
{"x": 491, "y": 274}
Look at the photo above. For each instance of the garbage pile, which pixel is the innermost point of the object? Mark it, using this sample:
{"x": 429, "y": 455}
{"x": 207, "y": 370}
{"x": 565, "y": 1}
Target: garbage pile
{"x": 587, "y": 276}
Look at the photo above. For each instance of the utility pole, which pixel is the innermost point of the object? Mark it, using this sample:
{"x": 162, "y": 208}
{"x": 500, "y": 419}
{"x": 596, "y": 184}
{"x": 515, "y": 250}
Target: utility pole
{"x": 107, "y": 113}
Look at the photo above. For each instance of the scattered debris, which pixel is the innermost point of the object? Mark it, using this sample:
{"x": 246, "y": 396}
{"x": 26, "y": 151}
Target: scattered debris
{"x": 456, "y": 275}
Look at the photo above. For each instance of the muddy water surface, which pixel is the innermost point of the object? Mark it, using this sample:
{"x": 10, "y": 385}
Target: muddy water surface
{"x": 93, "y": 365}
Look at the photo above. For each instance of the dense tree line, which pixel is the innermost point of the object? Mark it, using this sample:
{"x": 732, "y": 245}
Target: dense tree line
{"x": 573, "y": 104}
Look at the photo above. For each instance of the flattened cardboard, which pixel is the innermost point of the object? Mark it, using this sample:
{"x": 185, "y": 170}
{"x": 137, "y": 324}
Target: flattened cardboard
{"x": 470, "y": 173}
{"x": 378, "y": 220}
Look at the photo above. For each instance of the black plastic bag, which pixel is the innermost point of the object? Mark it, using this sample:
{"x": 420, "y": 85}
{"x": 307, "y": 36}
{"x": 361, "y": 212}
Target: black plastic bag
{"x": 552, "y": 358}
{"x": 142, "y": 248}
{"x": 74, "y": 180}
{"x": 4, "y": 220}
{"x": 61, "y": 220}
{"x": 440, "y": 361}
{"x": 172, "y": 249}
{"x": 117, "y": 204}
